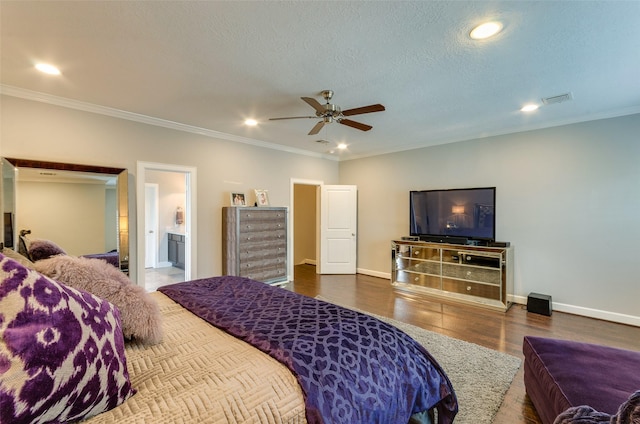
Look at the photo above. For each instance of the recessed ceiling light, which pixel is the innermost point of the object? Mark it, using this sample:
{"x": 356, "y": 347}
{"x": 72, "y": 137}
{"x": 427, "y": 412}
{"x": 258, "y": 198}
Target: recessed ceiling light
{"x": 47, "y": 69}
{"x": 529, "y": 108}
{"x": 251, "y": 122}
{"x": 486, "y": 30}
{"x": 342, "y": 146}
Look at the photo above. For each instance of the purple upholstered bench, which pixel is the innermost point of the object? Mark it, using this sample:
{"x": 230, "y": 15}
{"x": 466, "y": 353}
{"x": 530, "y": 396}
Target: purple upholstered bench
{"x": 559, "y": 374}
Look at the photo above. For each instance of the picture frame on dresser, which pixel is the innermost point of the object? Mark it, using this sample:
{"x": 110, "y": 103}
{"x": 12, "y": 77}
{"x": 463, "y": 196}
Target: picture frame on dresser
{"x": 262, "y": 197}
{"x": 238, "y": 199}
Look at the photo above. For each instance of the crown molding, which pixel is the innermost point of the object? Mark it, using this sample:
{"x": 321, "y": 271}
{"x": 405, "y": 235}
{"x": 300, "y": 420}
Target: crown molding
{"x": 36, "y": 96}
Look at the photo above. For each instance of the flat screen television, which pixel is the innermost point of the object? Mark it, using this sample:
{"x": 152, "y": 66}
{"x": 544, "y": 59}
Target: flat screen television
{"x": 455, "y": 215}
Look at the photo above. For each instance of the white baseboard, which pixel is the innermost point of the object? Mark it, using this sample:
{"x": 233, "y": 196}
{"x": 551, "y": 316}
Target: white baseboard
{"x": 560, "y": 307}
{"x": 372, "y": 273}
{"x": 164, "y": 264}
{"x": 586, "y": 312}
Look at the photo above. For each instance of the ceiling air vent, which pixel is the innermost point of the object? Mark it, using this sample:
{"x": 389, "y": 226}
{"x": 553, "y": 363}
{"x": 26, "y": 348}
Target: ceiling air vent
{"x": 557, "y": 99}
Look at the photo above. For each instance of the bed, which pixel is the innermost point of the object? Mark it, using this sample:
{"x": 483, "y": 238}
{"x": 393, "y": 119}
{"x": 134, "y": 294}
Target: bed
{"x": 202, "y": 374}
{"x": 237, "y": 350}
{"x": 37, "y": 249}
{"x": 111, "y": 257}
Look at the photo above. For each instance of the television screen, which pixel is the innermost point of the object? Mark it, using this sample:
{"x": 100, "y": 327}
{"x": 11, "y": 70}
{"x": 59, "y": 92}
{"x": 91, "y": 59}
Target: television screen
{"x": 468, "y": 213}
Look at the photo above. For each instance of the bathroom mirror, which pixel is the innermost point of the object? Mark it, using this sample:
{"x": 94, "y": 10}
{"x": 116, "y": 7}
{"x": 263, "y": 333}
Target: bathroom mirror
{"x": 82, "y": 208}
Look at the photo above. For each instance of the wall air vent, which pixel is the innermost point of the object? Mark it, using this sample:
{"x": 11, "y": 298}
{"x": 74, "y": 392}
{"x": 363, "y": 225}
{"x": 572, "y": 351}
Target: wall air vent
{"x": 557, "y": 99}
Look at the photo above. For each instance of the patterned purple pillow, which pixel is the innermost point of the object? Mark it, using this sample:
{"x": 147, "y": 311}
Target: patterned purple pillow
{"x": 43, "y": 249}
{"x": 61, "y": 350}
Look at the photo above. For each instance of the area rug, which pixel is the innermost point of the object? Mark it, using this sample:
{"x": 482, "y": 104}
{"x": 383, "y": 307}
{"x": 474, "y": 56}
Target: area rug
{"x": 480, "y": 376}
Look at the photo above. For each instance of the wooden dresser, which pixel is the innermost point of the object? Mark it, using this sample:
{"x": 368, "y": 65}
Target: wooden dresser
{"x": 254, "y": 243}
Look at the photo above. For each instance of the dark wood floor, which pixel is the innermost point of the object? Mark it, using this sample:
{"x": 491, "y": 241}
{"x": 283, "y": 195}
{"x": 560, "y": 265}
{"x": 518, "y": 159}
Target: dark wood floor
{"x": 496, "y": 330}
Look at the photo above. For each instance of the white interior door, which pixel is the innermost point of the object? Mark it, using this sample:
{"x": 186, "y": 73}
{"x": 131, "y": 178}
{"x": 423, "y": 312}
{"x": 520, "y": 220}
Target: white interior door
{"x": 151, "y": 225}
{"x": 338, "y": 229}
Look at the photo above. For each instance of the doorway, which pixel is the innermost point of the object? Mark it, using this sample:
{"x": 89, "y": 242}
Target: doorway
{"x": 167, "y": 247}
{"x": 305, "y": 224}
{"x": 313, "y": 224}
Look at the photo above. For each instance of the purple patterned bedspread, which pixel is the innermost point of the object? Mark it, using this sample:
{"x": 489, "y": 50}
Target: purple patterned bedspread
{"x": 111, "y": 257}
{"x": 353, "y": 368}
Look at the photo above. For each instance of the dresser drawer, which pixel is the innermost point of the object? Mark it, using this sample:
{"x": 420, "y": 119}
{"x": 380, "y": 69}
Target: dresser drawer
{"x": 261, "y": 263}
{"x": 263, "y": 251}
{"x": 416, "y": 279}
{"x": 472, "y": 273}
{"x": 426, "y": 267}
{"x": 276, "y": 235}
{"x": 260, "y": 226}
{"x": 473, "y": 289}
{"x": 251, "y": 216}
{"x": 264, "y": 274}
{"x": 418, "y": 252}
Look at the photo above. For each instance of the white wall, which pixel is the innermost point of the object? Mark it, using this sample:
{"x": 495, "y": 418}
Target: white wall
{"x": 34, "y": 130}
{"x": 567, "y": 200}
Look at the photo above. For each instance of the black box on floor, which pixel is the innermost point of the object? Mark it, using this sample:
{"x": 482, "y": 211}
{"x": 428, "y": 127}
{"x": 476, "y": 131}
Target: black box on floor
{"x": 539, "y": 303}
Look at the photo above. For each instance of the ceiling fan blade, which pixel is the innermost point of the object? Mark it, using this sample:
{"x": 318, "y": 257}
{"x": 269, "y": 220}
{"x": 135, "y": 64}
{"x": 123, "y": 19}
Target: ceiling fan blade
{"x": 316, "y": 129}
{"x": 292, "y": 117}
{"x": 314, "y": 104}
{"x": 356, "y": 125}
{"x": 363, "y": 109}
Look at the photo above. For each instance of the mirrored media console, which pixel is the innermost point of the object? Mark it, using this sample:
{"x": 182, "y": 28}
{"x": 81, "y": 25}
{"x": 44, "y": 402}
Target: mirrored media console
{"x": 475, "y": 275}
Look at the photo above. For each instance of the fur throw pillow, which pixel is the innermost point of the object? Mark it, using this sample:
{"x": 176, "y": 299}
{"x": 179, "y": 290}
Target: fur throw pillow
{"x": 139, "y": 312}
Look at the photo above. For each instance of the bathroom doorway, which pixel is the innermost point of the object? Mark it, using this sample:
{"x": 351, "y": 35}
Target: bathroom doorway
{"x": 166, "y": 224}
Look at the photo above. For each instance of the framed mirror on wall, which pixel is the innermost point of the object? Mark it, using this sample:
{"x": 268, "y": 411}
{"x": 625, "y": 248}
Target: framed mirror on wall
{"x": 81, "y": 208}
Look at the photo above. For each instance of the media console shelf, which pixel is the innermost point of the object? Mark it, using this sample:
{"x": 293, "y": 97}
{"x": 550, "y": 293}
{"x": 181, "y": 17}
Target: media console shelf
{"x": 475, "y": 275}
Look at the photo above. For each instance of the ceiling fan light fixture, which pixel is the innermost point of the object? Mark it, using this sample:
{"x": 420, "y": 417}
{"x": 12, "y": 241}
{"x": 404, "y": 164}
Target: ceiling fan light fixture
{"x": 330, "y": 112}
{"x": 486, "y": 30}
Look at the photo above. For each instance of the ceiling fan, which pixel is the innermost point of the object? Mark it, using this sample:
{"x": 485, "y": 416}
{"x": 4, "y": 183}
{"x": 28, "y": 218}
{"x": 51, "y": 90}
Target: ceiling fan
{"x": 329, "y": 113}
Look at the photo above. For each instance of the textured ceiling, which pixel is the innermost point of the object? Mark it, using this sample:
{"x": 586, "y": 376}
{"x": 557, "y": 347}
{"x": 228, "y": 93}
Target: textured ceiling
{"x": 209, "y": 65}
